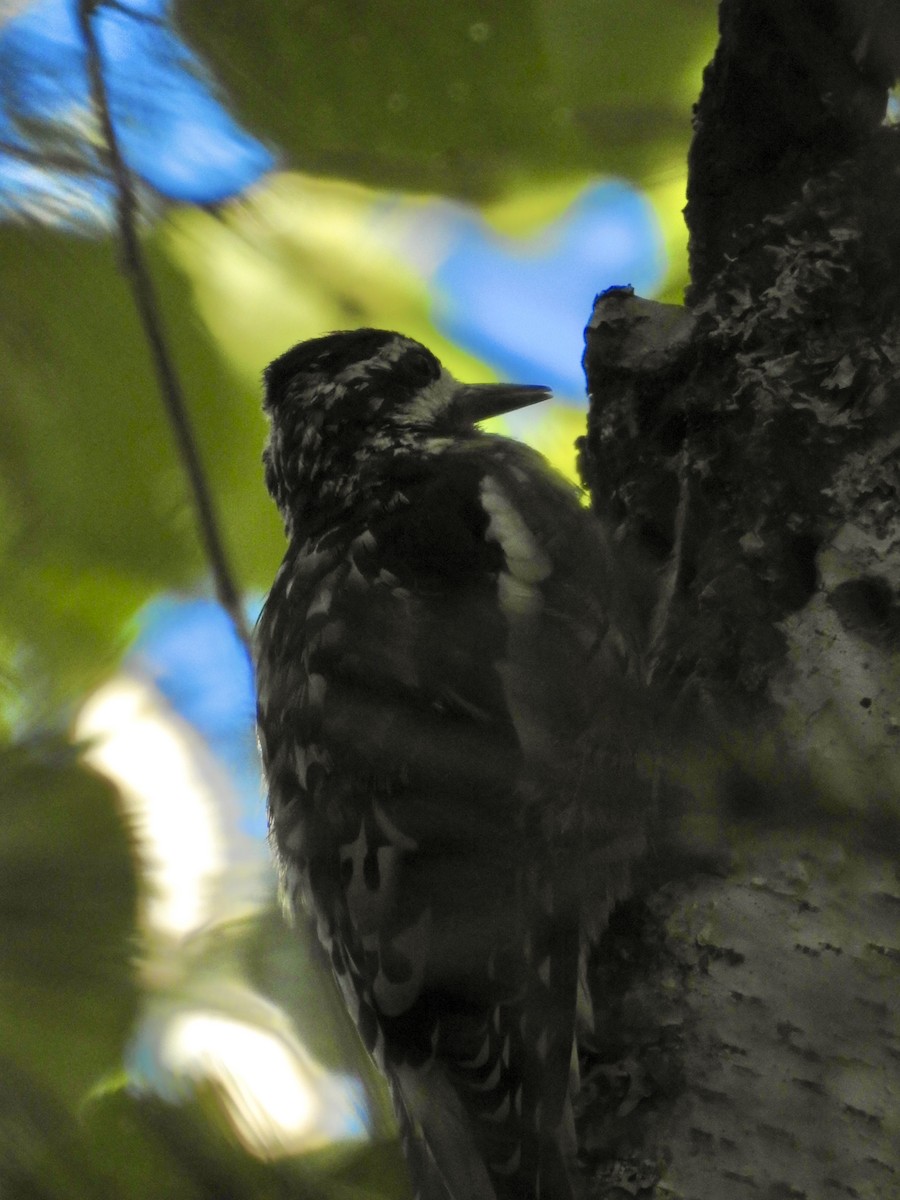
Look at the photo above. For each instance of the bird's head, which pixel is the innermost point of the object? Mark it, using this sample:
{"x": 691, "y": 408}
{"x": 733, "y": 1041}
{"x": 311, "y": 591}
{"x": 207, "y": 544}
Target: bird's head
{"x": 346, "y": 407}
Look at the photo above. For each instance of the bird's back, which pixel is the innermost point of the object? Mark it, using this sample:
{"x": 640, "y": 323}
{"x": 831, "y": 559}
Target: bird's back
{"x": 441, "y": 710}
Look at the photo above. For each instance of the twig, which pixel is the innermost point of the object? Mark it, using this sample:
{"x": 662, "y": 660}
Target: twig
{"x": 138, "y": 276}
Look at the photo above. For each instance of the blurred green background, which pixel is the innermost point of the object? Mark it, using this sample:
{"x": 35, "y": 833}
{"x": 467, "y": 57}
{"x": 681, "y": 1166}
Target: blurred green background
{"x": 468, "y": 174}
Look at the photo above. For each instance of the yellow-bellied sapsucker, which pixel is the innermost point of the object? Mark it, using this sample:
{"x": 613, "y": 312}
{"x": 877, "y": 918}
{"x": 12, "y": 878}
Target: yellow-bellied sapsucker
{"x": 441, "y": 694}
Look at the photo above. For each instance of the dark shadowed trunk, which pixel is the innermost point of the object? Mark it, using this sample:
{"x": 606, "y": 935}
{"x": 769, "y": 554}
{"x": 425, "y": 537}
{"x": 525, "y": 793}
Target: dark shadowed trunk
{"x": 745, "y": 450}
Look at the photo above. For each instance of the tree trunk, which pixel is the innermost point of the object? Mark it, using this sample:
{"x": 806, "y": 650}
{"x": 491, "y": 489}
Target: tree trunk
{"x": 745, "y": 450}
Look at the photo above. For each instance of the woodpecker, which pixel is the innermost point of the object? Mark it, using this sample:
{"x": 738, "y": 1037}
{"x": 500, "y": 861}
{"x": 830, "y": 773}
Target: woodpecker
{"x": 444, "y": 670}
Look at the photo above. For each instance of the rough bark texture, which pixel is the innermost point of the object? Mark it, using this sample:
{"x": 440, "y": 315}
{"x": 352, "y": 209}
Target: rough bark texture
{"x": 746, "y": 451}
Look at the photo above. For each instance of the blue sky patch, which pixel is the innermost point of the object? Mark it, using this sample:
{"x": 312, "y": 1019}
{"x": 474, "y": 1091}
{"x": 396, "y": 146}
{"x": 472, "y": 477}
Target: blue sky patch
{"x": 175, "y": 135}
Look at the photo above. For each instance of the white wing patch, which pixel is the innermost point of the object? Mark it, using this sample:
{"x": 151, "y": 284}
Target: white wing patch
{"x": 526, "y": 563}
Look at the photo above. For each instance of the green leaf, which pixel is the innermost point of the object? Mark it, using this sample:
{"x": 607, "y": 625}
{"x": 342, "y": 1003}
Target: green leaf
{"x": 153, "y": 1149}
{"x": 464, "y": 99}
{"x": 68, "y": 897}
{"x": 95, "y": 505}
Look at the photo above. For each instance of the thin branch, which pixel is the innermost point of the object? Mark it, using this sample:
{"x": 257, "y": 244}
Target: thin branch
{"x": 138, "y": 275}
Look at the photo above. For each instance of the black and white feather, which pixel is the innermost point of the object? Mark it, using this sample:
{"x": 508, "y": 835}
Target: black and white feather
{"x": 442, "y": 701}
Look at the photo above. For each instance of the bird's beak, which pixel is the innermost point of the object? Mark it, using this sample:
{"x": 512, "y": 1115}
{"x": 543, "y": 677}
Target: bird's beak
{"x": 475, "y": 402}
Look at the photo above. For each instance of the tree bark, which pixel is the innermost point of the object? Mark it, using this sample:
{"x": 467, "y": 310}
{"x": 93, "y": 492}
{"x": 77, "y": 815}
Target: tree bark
{"x": 745, "y": 451}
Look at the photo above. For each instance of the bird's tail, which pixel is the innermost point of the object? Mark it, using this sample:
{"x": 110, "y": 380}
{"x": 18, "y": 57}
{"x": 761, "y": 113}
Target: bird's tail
{"x": 489, "y": 1116}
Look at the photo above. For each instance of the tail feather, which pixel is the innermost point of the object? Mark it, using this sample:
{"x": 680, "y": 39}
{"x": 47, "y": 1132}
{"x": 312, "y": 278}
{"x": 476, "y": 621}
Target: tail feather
{"x": 489, "y": 1115}
{"x": 444, "y": 1159}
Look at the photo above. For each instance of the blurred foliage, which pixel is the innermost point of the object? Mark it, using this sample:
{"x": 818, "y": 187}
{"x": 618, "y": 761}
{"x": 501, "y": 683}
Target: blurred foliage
{"x": 68, "y": 903}
{"x": 464, "y": 99}
{"x": 302, "y": 251}
{"x": 471, "y": 100}
{"x": 96, "y": 515}
{"x": 482, "y": 101}
{"x": 127, "y": 1144}
{"x": 152, "y": 1150}
{"x": 70, "y": 1128}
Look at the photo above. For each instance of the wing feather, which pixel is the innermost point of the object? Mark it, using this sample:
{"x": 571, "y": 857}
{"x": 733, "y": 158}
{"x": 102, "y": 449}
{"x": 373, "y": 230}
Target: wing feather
{"x": 433, "y": 687}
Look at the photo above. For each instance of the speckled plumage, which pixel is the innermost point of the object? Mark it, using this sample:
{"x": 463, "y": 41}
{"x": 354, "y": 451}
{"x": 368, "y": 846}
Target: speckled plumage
{"x": 440, "y": 715}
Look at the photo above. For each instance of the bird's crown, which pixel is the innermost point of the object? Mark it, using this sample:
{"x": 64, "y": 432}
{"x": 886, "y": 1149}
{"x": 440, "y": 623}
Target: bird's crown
{"x": 343, "y": 407}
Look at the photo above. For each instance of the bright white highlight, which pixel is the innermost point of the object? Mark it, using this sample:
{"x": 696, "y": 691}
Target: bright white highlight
{"x": 171, "y": 786}
{"x": 526, "y": 563}
{"x": 203, "y": 1024}
{"x": 278, "y": 1099}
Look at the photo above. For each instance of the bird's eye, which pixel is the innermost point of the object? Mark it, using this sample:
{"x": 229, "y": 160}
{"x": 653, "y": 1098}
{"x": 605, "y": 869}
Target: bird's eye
{"x": 417, "y": 368}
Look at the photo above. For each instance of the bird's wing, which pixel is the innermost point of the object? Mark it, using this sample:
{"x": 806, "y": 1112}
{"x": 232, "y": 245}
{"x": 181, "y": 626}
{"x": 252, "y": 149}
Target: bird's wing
{"x": 425, "y": 716}
{"x": 571, "y": 675}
